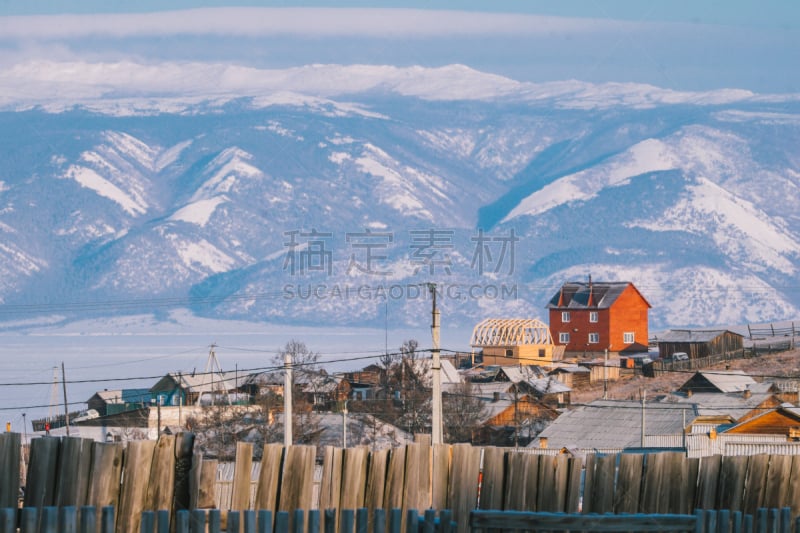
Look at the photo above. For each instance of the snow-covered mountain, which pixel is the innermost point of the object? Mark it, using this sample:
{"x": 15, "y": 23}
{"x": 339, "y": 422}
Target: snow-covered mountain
{"x": 310, "y": 194}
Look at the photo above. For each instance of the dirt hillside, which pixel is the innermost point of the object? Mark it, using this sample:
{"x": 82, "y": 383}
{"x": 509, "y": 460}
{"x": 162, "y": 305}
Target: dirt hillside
{"x": 778, "y": 365}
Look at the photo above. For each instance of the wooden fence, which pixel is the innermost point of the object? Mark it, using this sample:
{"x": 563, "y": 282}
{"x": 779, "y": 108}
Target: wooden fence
{"x": 165, "y": 475}
{"x": 83, "y": 520}
{"x": 659, "y": 367}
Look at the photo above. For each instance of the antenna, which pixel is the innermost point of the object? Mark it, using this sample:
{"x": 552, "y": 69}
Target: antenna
{"x": 212, "y": 368}
{"x": 52, "y": 411}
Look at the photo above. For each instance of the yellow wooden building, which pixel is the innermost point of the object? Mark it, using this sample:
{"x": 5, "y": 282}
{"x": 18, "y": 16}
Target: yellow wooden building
{"x": 515, "y": 341}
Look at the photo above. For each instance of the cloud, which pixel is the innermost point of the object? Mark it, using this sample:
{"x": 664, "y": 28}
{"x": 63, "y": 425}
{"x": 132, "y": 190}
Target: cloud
{"x": 316, "y": 22}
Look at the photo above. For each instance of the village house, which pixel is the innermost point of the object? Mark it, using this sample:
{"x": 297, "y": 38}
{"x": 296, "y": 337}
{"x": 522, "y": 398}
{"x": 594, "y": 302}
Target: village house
{"x": 515, "y": 341}
{"x": 510, "y": 415}
{"x": 110, "y": 402}
{"x": 698, "y": 343}
{"x": 588, "y": 318}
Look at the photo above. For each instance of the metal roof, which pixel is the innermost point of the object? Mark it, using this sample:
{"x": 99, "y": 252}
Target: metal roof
{"x": 516, "y": 374}
{"x": 713, "y": 404}
{"x": 548, "y": 385}
{"x": 727, "y": 381}
{"x": 597, "y": 294}
{"x": 571, "y": 369}
{"x": 612, "y": 424}
{"x": 693, "y": 335}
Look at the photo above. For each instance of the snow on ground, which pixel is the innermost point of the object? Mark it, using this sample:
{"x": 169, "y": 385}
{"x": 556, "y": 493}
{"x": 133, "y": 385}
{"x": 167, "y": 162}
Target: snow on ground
{"x": 647, "y": 156}
{"x": 198, "y": 212}
{"x": 204, "y": 256}
{"x": 90, "y": 179}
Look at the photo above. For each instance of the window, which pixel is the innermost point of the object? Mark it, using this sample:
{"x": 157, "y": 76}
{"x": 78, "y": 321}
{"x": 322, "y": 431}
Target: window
{"x": 563, "y": 338}
{"x": 594, "y": 338}
{"x": 592, "y": 316}
{"x": 509, "y": 352}
{"x": 542, "y": 353}
{"x": 564, "y": 316}
{"x": 628, "y": 337}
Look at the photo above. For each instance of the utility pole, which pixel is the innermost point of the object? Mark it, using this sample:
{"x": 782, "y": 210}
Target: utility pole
{"x": 64, "y": 387}
{"x": 644, "y": 392}
{"x": 287, "y": 399}
{"x": 605, "y": 375}
{"x": 436, "y": 369}
{"x": 344, "y": 425}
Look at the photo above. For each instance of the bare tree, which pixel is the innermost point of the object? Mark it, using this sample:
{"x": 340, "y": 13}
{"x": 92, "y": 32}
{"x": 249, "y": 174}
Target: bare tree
{"x": 305, "y": 369}
{"x": 405, "y": 399}
{"x": 463, "y": 413}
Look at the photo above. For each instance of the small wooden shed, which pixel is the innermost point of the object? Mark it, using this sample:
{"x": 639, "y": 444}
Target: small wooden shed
{"x": 699, "y": 343}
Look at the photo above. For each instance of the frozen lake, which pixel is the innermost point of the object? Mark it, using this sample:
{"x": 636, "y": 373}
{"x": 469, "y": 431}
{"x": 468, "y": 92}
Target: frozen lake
{"x": 134, "y": 352}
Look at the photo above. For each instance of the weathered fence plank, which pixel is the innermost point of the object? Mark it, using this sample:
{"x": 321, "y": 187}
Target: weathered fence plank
{"x": 138, "y": 459}
{"x": 574, "y": 485}
{"x": 708, "y": 482}
{"x": 440, "y": 475}
{"x": 603, "y": 488}
{"x": 242, "y": 477}
{"x": 494, "y": 471}
{"x": 354, "y": 478}
{"x": 74, "y": 465}
{"x": 395, "y": 478}
{"x": 105, "y": 474}
{"x": 755, "y": 483}
{"x": 297, "y": 483}
{"x": 42, "y": 469}
{"x": 417, "y": 490}
{"x": 732, "y": 476}
{"x": 10, "y": 447}
{"x": 376, "y": 481}
{"x": 515, "y": 492}
{"x": 675, "y": 482}
{"x": 331, "y": 483}
{"x": 588, "y": 483}
{"x": 184, "y": 454}
{"x": 162, "y": 475}
{"x": 693, "y": 468}
{"x": 463, "y": 491}
{"x": 269, "y": 477}
{"x": 629, "y": 482}
{"x": 545, "y": 489}
{"x": 794, "y": 487}
{"x": 776, "y": 492}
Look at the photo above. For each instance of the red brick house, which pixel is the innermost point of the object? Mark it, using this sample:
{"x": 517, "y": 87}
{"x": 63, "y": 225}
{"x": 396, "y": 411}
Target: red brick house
{"x": 590, "y": 317}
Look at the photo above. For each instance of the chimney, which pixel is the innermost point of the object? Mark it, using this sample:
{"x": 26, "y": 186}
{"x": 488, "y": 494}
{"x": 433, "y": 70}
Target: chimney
{"x": 542, "y": 442}
{"x": 688, "y": 393}
{"x": 496, "y": 397}
{"x": 712, "y": 434}
{"x": 747, "y": 393}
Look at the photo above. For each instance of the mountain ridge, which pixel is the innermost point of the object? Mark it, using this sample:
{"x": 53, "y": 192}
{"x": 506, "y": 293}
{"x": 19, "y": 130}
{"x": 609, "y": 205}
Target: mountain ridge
{"x": 199, "y": 204}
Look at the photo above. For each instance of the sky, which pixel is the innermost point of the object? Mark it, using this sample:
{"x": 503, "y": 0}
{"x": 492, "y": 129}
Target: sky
{"x": 680, "y": 45}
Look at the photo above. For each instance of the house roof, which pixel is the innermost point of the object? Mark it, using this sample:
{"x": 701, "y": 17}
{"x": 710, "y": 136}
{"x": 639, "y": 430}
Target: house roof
{"x": 594, "y": 294}
{"x": 787, "y": 413}
{"x": 693, "y": 335}
{"x": 734, "y": 405}
{"x": 119, "y": 396}
{"x": 206, "y": 382}
{"x": 571, "y": 369}
{"x": 721, "y": 381}
{"x": 548, "y": 385}
{"x": 449, "y": 374}
{"x": 611, "y": 424}
{"x": 518, "y": 373}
